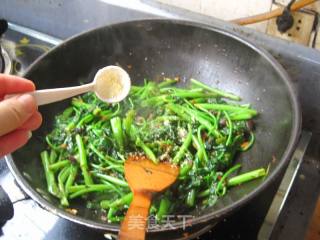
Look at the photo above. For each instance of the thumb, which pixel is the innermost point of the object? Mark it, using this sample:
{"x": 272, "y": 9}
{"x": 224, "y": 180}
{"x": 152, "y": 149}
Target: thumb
{"x": 15, "y": 111}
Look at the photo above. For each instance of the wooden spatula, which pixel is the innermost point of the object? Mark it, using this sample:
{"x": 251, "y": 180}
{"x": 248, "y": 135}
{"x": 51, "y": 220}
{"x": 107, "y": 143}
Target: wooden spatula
{"x": 144, "y": 178}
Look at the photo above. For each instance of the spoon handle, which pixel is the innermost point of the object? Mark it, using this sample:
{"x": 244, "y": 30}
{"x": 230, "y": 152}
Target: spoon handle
{"x": 47, "y": 96}
{"x": 133, "y": 227}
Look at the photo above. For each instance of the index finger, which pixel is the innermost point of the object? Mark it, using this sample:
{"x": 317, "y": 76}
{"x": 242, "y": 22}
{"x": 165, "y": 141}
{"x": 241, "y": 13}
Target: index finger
{"x": 12, "y": 84}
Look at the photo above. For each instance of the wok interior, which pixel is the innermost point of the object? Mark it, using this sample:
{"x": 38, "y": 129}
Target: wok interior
{"x": 152, "y": 50}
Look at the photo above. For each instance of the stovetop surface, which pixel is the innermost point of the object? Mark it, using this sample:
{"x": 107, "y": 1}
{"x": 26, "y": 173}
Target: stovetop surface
{"x": 32, "y": 222}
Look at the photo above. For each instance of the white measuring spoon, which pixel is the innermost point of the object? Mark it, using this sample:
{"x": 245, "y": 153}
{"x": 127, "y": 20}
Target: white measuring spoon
{"x": 111, "y": 84}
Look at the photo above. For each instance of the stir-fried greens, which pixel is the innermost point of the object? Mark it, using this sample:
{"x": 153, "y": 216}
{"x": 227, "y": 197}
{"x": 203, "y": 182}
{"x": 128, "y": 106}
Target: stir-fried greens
{"x": 195, "y": 128}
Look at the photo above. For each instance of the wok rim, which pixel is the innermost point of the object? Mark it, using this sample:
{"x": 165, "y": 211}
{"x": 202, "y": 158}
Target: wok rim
{"x": 214, "y": 215}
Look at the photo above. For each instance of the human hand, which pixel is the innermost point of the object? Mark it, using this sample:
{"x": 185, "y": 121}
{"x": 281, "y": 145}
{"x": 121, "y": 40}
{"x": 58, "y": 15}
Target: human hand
{"x": 18, "y": 115}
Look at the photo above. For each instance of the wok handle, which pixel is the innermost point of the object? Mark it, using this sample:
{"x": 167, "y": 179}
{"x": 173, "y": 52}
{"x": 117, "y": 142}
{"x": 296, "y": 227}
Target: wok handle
{"x": 134, "y": 225}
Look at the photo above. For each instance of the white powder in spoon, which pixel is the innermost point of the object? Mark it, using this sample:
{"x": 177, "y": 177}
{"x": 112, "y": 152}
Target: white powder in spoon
{"x": 109, "y": 84}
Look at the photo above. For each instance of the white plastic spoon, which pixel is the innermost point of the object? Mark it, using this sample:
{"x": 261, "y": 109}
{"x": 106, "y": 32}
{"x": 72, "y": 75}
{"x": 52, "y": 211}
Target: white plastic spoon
{"x": 110, "y": 84}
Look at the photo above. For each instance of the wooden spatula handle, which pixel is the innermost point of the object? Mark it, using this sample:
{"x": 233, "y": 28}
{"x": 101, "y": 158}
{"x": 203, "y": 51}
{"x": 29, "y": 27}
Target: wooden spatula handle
{"x": 134, "y": 225}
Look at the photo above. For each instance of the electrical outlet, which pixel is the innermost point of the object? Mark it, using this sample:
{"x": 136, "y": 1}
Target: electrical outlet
{"x": 301, "y": 30}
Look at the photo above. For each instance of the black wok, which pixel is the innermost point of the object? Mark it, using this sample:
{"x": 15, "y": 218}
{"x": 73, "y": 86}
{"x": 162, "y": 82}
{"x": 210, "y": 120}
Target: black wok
{"x": 154, "y": 49}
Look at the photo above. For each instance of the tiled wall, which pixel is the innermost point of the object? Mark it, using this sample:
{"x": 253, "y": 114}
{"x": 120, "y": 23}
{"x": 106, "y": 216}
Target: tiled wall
{"x": 303, "y": 32}
{"x": 225, "y": 9}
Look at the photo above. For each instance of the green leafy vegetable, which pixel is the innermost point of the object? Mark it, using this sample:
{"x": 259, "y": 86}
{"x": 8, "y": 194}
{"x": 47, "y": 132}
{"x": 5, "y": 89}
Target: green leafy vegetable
{"x": 195, "y": 128}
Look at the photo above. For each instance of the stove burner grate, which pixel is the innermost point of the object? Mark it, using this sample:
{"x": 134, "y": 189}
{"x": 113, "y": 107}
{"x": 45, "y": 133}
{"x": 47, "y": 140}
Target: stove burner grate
{"x": 5, "y": 62}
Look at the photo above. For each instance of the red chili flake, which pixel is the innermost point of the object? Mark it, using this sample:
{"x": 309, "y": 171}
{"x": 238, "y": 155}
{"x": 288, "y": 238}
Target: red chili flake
{"x": 204, "y": 136}
{"x": 244, "y": 145}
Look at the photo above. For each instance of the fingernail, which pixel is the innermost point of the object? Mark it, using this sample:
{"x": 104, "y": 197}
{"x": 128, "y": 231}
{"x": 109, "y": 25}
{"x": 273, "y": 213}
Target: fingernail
{"x": 29, "y": 134}
{"x": 28, "y": 102}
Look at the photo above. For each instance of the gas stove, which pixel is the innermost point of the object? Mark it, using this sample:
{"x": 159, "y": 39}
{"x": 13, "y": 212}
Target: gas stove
{"x": 5, "y": 61}
{"x": 271, "y": 215}
{"x": 20, "y": 47}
